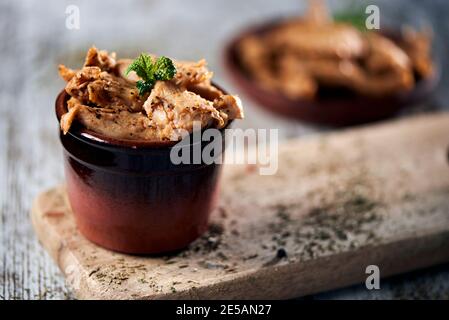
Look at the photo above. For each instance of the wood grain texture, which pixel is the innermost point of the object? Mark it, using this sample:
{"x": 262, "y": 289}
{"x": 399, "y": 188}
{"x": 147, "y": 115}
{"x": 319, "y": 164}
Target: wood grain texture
{"x": 338, "y": 203}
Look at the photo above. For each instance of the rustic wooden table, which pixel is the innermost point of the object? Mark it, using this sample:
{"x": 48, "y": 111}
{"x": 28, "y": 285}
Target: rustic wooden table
{"x": 34, "y": 39}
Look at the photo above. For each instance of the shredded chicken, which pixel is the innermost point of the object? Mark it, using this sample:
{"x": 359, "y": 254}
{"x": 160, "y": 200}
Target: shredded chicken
{"x": 106, "y": 101}
{"x": 301, "y": 55}
{"x": 190, "y": 73}
{"x": 418, "y": 46}
{"x": 90, "y": 85}
{"x": 311, "y": 40}
{"x": 174, "y": 109}
{"x": 111, "y": 123}
{"x": 317, "y": 13}
{"x": 66, "y": 73}
{"x": 101, "y": 59}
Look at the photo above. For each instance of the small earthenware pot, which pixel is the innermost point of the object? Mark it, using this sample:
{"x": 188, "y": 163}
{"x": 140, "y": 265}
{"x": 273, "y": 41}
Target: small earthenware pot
{"x": 128, "y": 196}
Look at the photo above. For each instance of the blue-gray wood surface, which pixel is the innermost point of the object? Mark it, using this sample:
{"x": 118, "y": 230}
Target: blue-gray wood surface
{"x": 34, "y": 39}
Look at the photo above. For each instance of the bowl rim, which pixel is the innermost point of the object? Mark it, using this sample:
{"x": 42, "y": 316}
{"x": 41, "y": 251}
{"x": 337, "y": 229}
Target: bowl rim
{"x": 82, "y": 133}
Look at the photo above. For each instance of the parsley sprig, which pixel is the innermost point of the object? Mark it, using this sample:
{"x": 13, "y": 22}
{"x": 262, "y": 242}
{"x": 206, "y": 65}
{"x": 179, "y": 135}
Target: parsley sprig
{"x": 151, "y": 71}
{"x": 356, "y": 18}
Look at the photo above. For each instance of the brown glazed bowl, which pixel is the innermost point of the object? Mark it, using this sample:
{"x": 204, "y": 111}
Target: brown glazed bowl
{"x": 128, "y": 196}
{"x": 334, "y": 107}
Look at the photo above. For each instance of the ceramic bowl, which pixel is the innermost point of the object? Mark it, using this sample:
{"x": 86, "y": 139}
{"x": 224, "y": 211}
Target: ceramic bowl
{"x": 128, "y": 196}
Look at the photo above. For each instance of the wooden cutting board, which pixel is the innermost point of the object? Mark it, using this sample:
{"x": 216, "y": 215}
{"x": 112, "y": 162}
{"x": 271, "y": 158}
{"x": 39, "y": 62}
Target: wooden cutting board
{"x": 340, "y": 202}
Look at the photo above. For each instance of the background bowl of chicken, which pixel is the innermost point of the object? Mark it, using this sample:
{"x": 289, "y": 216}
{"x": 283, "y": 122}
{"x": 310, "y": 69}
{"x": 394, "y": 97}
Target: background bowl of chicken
{"x": 324, "y": 104}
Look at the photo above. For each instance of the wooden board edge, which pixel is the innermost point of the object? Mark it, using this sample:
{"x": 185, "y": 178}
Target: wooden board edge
{"x": 73, "y": 273}
{"x": 285, "y": 281}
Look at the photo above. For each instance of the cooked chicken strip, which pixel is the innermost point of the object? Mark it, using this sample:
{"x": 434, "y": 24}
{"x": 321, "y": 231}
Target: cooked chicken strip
{"x": 68, "y": 118}
{"x": 290, "y": 79}
{"x": 388, "y": 68}
{"x": 298, "y": 85}
{"x": 383, "y": 85}
{"x": 191, "y": 73}
{"x": 332, "y": 72}
{"x": 329, "y": 40}
{"x": 347, "y": 73}
{"x": 385, "y": 56}
{"x": 173, "y": 109}
{"x": 169, "y": 105}
{"x": 205, "y": 90}
{"x": 91, "y": 85}
{"x": 114, "y": 124}
{"x": 418, "y": 46}
{"x": 230, "y": 107}
{"x": 101, "y": 59}
{"x": 294, "y": 80}
{"x": 253, "y": 53}
{"x": 66, "y": 73}
{"x": 255, "y": 56}
{"x": 317, "y": 13}
{"x": 72, "y": 102}
{"x": 121, "y": 67}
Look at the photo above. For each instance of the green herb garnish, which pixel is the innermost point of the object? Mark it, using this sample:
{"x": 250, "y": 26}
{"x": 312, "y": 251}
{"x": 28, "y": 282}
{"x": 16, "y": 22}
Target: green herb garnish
{"x": 151, "y": 71}
{"x": 352, "y": 17}
{"x": 353, "y": 13}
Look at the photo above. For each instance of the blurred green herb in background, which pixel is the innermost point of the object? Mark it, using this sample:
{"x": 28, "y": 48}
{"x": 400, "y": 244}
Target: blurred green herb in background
{"x": 355, "y": 17}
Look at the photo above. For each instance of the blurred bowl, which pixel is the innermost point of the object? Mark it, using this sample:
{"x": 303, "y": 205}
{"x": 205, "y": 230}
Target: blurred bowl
{"x": 333, "y": 107}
